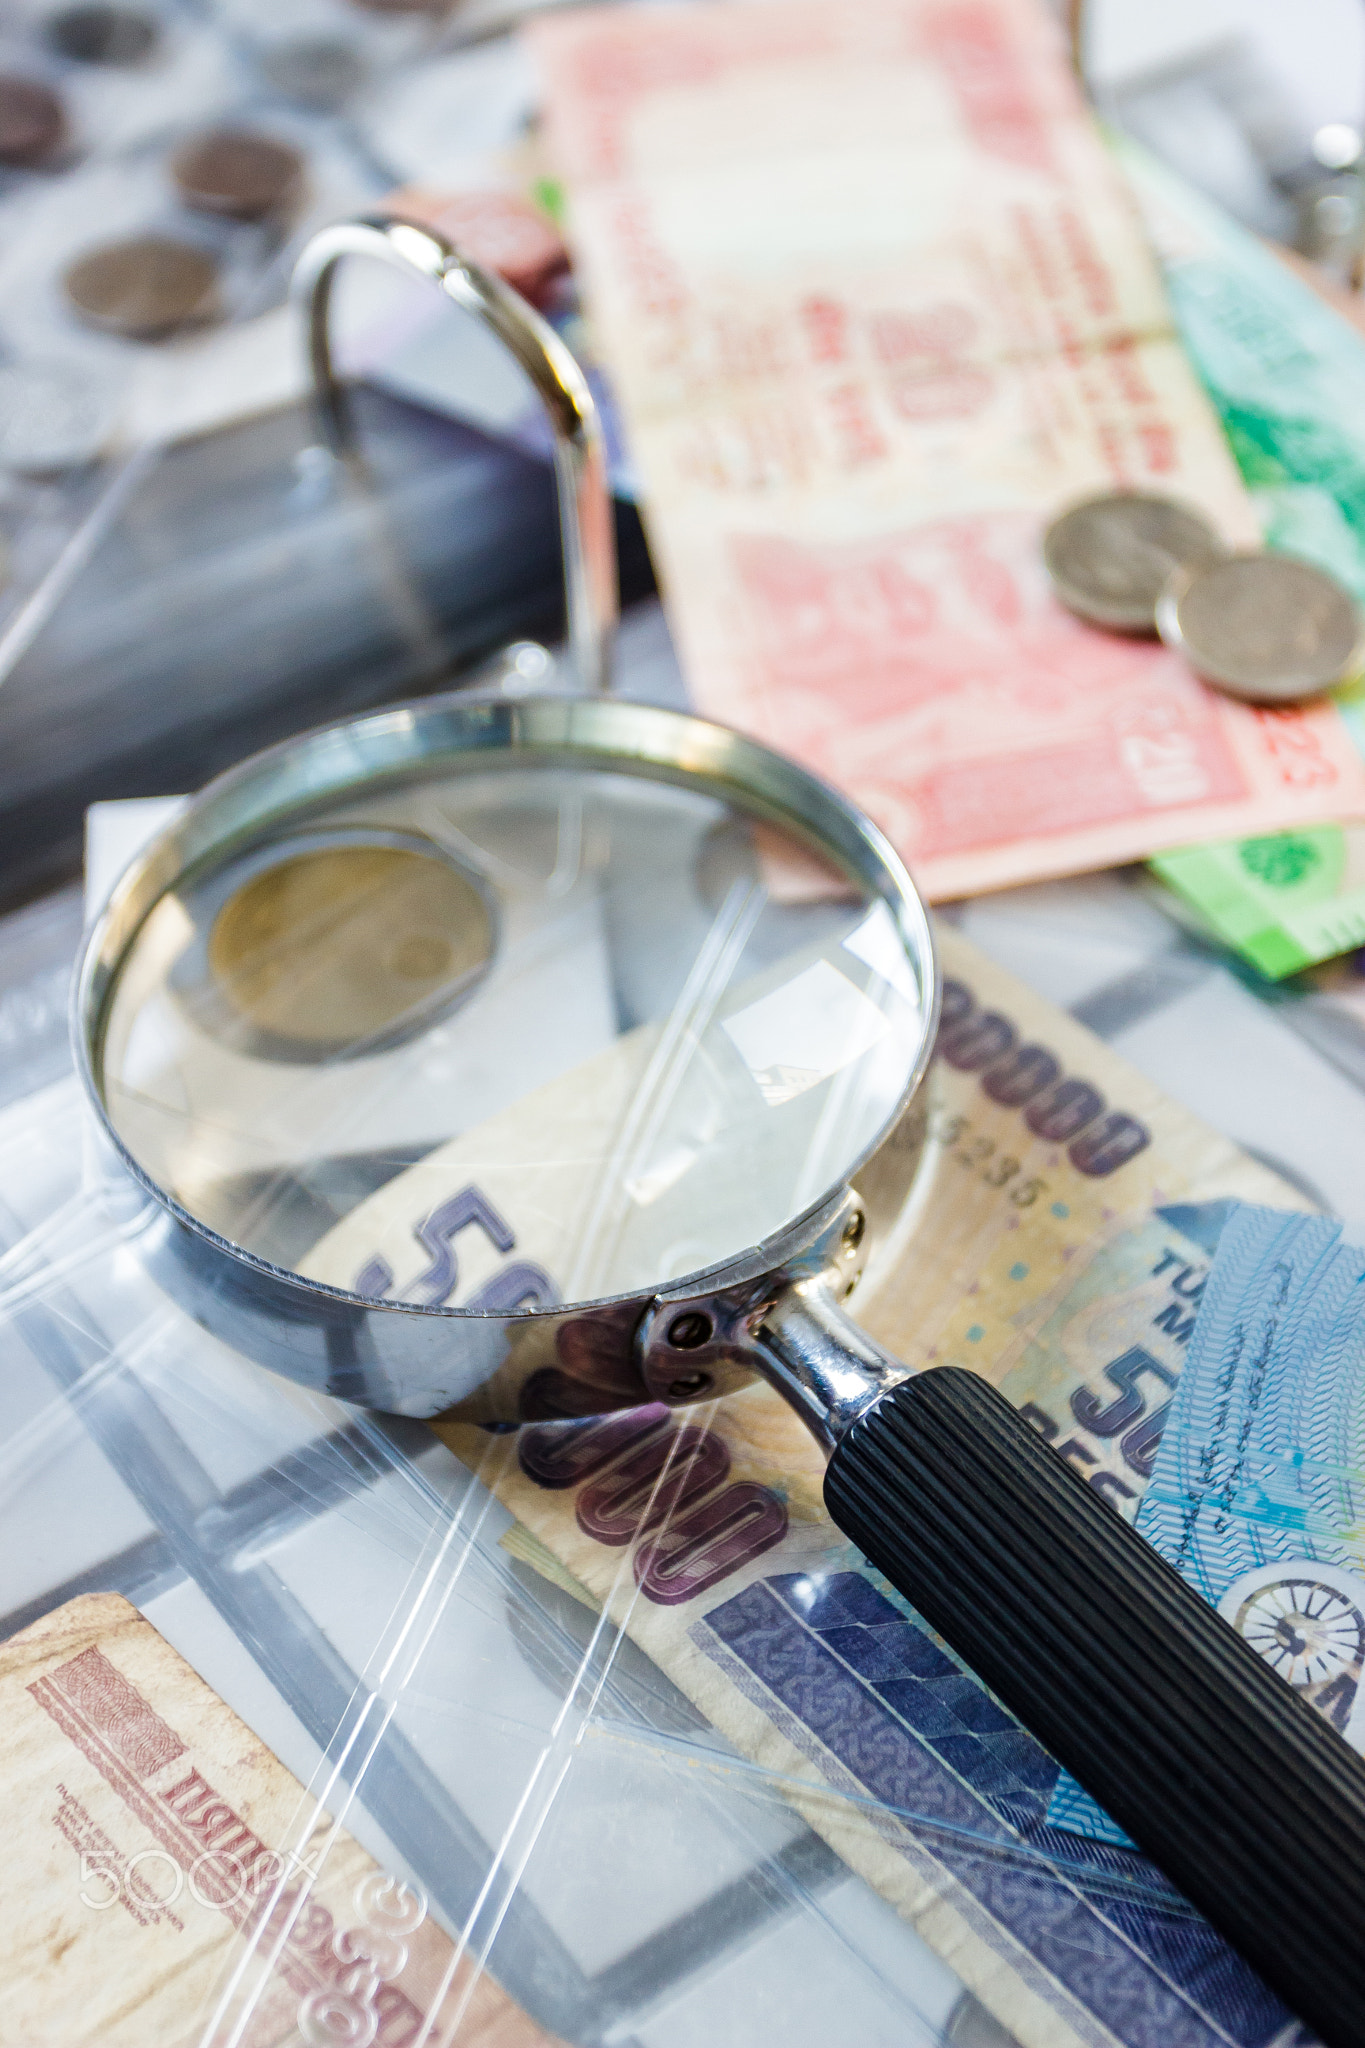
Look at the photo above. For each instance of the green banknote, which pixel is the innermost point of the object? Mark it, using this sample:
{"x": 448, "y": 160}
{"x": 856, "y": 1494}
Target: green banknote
{"x": 1284, "y": 371}
{"x": 1287, "y": 375}
{"x": 1286, "y": 901}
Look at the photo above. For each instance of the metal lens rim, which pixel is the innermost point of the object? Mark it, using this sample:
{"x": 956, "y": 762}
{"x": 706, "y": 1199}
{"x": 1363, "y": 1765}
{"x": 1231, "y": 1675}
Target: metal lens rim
{"x": 288, "y": 783}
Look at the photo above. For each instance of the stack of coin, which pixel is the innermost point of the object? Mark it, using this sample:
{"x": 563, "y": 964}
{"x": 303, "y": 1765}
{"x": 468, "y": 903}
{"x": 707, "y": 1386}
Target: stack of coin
{"x": 1267, "y": 628}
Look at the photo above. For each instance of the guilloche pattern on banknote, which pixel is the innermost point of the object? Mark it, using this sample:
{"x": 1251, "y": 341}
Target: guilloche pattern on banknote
{"x": 171, "y": 1883}
{"x": 862, "y": 359}
{"x": 1258, "y": 1490}
{"x": 1257, "y": 1496}
{"x": 1061, "y": 1245}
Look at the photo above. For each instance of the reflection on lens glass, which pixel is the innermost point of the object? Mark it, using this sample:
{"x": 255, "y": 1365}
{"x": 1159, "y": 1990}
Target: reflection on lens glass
{"x": 511, "y": 1037}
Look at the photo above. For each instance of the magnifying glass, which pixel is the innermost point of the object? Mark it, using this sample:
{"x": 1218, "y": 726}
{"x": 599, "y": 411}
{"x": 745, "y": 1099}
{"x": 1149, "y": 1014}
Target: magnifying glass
{"x": 534, "y": 1056}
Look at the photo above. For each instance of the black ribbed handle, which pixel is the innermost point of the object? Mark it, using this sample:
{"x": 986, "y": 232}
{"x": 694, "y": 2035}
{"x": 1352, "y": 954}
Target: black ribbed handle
{"x": 1251, "y": 1804}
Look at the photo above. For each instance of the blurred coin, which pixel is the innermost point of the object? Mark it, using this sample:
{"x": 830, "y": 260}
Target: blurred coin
{"x": 1268, "y": 628}
{"x": 32, "y": 122}
{"x": 51, "y": 419}
{"x": 1111, "y": 557}
{"x": 235, "y": 172}
{"x": 314, "y": 71}
{"x": 97, "y": 34}
{"x": 145, "y": 287}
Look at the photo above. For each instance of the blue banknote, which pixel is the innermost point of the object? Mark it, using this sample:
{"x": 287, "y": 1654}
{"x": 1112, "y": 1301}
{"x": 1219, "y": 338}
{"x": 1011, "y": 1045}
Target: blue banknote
{"x": 1257, "y": 1494}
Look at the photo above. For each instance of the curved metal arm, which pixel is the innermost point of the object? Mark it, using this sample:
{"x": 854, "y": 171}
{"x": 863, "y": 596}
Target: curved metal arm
{"x": 585, "y": 514}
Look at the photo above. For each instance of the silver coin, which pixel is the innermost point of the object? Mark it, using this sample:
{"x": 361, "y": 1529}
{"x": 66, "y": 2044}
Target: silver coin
{"x": 1111, "y": 557}
{"x": 1267, "y": 628}
{"x": 52, "y": 419}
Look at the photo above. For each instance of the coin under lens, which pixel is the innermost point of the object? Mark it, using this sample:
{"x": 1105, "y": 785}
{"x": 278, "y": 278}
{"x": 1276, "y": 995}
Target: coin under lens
{"x": 103, "y": 35}
{"x": 233, "y": 172}
{"x": 32, "y": 123}
{"x": 1110, "y": 558}
{"x": 1268, "y": 628}
{"x": 333, "y": 949}
{"x": 143, "y": 288}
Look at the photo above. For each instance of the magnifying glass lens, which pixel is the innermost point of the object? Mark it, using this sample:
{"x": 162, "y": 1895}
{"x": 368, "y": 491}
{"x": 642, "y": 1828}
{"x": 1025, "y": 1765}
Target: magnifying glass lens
{"x": 561, "y": 1030}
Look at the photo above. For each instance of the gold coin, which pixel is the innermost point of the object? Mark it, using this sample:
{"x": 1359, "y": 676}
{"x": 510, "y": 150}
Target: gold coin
{"x": 337, "y": 946}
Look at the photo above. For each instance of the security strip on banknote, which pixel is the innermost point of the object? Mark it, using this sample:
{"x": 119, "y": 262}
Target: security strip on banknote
{"x": 1060, "y": 1246}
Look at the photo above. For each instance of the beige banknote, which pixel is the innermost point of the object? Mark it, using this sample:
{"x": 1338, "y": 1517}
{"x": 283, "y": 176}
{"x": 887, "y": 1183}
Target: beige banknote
{"x": 1058, "y": 1244}
{"x": 876, "y": 304}
{"x": 169, "y": 1883}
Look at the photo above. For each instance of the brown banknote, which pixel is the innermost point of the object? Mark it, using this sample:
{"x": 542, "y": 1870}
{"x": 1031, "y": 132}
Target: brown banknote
{"x": 170, "y": 1885}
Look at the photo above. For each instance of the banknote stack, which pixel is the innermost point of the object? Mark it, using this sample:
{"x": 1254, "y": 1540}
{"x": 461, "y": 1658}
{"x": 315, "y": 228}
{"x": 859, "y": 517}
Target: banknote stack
{"x": 1070, "y": 1276}
{"x": 849, "y": 674}
{"x": 1285, "y": 373}
{"x": 878, "y": 308}
{"x": 863, "y": 359}
{"x": 876, "y": 305}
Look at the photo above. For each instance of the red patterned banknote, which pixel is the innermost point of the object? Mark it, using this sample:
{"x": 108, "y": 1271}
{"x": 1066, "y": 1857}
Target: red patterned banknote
{"x": 172, "y": 1886}
{"x": 876, "y": 304}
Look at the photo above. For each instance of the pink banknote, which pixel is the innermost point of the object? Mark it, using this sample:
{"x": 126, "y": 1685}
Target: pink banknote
{"x": 995, "y": 738}
{"x": 876, "y": 304}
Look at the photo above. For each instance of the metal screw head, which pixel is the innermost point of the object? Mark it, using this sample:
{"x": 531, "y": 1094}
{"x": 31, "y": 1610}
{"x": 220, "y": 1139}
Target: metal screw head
{"x": 688, "y": 1386}
{"x": 853, "y": 1231}
{"x": 690, "y": 1330}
